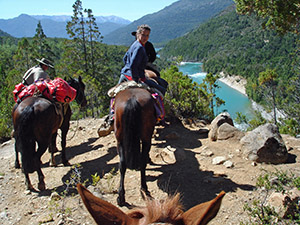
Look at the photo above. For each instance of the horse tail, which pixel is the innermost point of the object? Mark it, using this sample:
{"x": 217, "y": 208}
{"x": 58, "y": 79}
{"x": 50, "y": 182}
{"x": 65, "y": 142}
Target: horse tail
{"x": 132, "y": 120}
{"x": 25, "y": 141}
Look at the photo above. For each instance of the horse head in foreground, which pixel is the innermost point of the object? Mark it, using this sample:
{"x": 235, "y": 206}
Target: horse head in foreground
{"x": 168, "y": 211}
{"x": 36, "y": 121}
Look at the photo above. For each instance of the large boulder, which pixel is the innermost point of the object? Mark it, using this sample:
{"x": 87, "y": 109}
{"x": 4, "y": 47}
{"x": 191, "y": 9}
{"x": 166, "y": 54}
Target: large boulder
{"x": 217, "y": 122}
{"x": 264, "y": 144}
{"x": 227, "y": 131}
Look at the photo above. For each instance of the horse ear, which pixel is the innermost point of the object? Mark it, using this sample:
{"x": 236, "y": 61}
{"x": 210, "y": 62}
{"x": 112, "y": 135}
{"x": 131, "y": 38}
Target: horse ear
{"x": 102, "y": 211}
{"x": 201, "y": 214}
{"x": 65, "y": 78}
{"x": 80, "y": 79}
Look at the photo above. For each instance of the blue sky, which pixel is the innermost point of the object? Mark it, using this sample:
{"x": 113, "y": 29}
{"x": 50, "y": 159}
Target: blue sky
{"x": 127, "y": 9}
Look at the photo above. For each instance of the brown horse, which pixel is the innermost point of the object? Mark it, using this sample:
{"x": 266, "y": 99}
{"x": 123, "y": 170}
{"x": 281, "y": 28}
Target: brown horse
{"x": 134, "y": 124}
{"x": 37, "y": 119}
{"x": 168, "y": 211}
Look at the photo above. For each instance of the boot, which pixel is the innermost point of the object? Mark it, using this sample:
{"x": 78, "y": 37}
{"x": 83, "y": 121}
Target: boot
{"x": 106, "y": 127}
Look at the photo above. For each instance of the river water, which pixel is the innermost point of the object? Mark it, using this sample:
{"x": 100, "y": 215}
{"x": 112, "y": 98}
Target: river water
{"x": 234, "y": 100}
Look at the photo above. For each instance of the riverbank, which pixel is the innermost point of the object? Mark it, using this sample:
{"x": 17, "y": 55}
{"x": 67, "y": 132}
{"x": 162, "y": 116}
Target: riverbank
{"x": 236, "y": 82}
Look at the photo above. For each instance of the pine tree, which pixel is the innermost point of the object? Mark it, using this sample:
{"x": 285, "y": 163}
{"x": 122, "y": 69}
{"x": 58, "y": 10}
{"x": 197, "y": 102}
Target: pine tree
{"x": 41, "y": 47}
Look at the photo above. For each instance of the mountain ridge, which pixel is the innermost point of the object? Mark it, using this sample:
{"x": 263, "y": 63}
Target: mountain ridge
{"x": 54, "y": 26}
{"x": 171, "y": 22}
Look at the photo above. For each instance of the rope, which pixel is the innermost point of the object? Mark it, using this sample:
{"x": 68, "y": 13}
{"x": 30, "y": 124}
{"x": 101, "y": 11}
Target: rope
{"x": 75, "y": 129}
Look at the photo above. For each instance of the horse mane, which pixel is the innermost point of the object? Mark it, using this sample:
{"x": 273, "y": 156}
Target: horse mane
{"x": 169, "y": 210}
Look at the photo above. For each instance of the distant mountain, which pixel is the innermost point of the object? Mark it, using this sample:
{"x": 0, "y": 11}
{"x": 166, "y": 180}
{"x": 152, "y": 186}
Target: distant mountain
{"x": 99, "y": 19}
{"x": 54, "y": 26}
{"x": 171, "y": 22}
{"x": 4, "y": 34}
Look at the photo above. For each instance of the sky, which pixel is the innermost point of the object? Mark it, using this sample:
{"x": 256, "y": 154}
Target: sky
{"x": 127, "y": 9}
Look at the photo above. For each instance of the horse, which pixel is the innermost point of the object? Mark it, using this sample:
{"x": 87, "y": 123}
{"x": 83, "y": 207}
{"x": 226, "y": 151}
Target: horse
{"x": 37, "y": 120}
{"x": 135, "y": 119}
{"x": 168, "y": 211}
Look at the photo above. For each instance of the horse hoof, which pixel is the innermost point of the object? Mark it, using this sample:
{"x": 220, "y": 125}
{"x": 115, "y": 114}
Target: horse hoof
{"x": 67, "y": 163}
{"x": 30, "y": 188}
{"x": 121, "y": 201}
{"x": 146, "y": 194}
{"x": 17, "y": 166}
{"x": 42, "y": 186}
{"x": 53, "y": 164}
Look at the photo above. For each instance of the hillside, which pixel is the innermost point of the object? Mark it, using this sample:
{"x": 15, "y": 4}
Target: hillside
{"x": 171, "y": 22}
{"x": 53, "y": 26}
{"x": 4, "y": 34}
{"x": 234, "y": 44}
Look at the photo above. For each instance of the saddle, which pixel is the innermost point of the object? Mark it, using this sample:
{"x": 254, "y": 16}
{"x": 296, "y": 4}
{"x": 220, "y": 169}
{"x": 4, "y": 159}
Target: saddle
{"x": 156, "y": 94}
{"x": 131, "y": 84}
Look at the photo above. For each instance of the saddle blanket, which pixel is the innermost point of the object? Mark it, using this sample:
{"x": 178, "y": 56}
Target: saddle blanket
{"x": 57, "y": 90}
{"x": 159, "y": 107}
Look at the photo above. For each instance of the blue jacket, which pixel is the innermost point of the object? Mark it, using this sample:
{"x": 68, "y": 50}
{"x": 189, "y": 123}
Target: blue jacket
{"x": 135, "y": 61}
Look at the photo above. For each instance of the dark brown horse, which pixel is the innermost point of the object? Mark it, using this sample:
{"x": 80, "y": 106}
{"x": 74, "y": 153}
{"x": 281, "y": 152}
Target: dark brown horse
{"x": 168, "y": 211}
{"x": 36, "y": 120}
{"x": 135, "y": 119}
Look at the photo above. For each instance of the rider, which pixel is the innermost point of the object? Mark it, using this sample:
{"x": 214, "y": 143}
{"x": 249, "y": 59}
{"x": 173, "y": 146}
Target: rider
{"x": 136, "y": 60}
{"x": 37, "y": 72}
{"x": 151, "y": 53}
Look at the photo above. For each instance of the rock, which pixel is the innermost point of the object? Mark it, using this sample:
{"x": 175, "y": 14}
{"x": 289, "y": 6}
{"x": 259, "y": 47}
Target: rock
{"x": 285, "y": 204}
{"x": 228, "y": 164}
{"x": 207, "y": 153}
{"x": 227, "y": 131}
{"x": 264, "y": 144}
{"x": 218, "y": 160}
{"x": 55, "y": 196}
{"x": 217, "y": 122}
{"x": 171, "y": 155}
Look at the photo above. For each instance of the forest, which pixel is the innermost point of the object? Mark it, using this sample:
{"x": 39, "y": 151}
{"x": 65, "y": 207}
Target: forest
{"x": 238, "y": 44}
{"x": 84, "y": 54}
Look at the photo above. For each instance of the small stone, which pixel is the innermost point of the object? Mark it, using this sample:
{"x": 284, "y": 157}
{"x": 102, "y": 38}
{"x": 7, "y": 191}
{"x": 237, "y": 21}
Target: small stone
{"x": 218, "y": 160}
{"x": 228, "y": 164}
{"x": 207, "y": 153}
{"x": 55, "y": 196}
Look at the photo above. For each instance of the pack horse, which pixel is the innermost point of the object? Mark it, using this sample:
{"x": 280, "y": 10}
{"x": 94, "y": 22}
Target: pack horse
{"x": 36, "y": 121}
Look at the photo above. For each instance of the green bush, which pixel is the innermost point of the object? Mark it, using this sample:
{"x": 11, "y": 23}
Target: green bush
{"x": 184, "y": 98}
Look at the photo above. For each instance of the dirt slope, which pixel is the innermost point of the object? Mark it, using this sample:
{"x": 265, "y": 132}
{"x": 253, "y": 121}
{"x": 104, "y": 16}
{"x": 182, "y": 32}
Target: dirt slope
{"x": 183, "y": 164}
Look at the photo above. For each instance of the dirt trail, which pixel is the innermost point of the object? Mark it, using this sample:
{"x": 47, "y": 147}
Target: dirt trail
{"x": 183, "y": 164}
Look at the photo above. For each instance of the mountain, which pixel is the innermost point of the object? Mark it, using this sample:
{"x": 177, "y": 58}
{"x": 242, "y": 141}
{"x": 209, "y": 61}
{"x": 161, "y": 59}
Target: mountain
{"x": 54, "y": 26}
{"x": 171, "y": 22}
{"x": 238, "y": 45}
{"x": 4, "y": 34}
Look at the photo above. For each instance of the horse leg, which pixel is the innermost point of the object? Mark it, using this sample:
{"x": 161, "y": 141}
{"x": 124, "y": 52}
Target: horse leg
{"x": 64, "y": 131}
{"x": 145, "y": 158}
{"x": 17, "y": 163}
{"x": 53, "y": 149}
{"x": 41, "y": 185}
{"x": 42, "y": 147}
{"x": 122, "y": 167}
{"x": 28, "y": 183}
